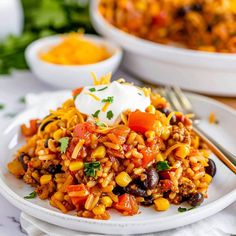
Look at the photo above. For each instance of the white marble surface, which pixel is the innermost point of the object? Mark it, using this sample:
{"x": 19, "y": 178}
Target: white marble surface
{"x": 15, "y": 87}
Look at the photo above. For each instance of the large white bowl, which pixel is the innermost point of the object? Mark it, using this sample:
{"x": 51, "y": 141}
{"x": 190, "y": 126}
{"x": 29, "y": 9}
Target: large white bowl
{"x": 70, "y": 76}
{"x": 210, "y": 73}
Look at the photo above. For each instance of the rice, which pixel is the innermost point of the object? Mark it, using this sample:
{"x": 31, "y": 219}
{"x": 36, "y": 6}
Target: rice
{"x": 106, "y": 156}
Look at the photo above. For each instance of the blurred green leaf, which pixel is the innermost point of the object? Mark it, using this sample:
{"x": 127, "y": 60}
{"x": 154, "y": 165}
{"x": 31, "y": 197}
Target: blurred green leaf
{"x": 43, "y": 18}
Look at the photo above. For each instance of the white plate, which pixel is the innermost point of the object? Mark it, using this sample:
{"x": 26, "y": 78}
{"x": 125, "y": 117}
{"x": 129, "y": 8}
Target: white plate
{"x": 210, "y": 73}
{"x": 222, "y": 191}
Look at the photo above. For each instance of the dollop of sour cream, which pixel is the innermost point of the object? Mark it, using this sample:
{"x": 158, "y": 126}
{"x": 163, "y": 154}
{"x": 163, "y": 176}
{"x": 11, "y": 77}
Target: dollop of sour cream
{"x": 108, "y": 102}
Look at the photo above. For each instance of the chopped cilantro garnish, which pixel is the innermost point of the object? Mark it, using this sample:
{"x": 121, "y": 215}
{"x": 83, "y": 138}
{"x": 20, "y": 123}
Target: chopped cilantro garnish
{"x": 162, "y": 165}
{"x": 140, "y": 94}
{"x": 22, "y": 100}
{"x": 108, "y": 99}
{"x": 92, "y": 89}
{"x": 101, "y": 124}
{"x": 31, "y": 195}
{"x": 96, "y": 114}
{"x": 110, "y": 115}
{"x": 2, "y": 106}
{"x": 101, "y": 89}
{"x": 90, "y": 168}
{"x": 64, "y": 144}
{"x": 183, "y": 209}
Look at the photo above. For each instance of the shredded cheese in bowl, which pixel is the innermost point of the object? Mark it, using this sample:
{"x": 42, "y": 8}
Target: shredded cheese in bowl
{"x": 75, "y": 49}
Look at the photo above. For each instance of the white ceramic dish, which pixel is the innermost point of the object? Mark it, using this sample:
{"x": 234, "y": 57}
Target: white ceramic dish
{"x": 70, "y": 76}
{"x": 222, "y": 191}
{"x": 210, "y": 73}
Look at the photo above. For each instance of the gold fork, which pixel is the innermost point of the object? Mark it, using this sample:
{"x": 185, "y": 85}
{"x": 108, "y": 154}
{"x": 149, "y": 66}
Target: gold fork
{"x": 179, "y": 102}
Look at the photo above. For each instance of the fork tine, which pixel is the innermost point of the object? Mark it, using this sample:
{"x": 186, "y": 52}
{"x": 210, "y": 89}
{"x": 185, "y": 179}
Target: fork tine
{"x": 186, "y": 105}
{"x": 173, "y": 99}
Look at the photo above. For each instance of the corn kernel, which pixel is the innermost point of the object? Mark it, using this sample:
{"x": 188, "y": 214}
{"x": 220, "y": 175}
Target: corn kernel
{"x": 123, "y": 179}
{"x": 207, "y": 178}
{"x": 159, "y": 157}
{"x": 182, "y": 151}
{"x": 150, "y": 134}
{"x": 107, "y": 201}
{"x": 76, "y": 165}
{"x": 45, "y": 179}
{"x": 99, "y": 210}
{"x": 165, "y": 133}
{"x": 35, "y": 175}
{"x": 99, "y": 152}
{"x": 161, "y": 204}
{"x": 59, "y": 196}
{"x": 151, "y": 109}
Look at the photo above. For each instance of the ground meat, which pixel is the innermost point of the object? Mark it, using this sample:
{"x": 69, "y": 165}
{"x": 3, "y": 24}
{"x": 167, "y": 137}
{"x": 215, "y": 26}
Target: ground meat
{"x": 186, "y": 186}
{"x": 45, "y": 191}
{"x": 177, "y": 200}
{"x": 179, "y": 134}
{"x": 29, "y": 179}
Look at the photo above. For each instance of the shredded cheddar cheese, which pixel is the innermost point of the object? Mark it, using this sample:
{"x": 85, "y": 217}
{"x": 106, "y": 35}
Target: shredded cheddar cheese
{"x": 94, "y": 96}
{"x": 75, "y": 49}
{"x": 105, "y": 107}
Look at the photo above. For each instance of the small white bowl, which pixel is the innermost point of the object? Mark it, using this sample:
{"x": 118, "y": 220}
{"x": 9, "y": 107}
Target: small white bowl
{"x": 70, "y": 76}
{"x": 209, "y": 73}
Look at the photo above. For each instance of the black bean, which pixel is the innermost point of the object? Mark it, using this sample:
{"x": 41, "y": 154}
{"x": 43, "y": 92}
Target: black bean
{"x": 164, "y": 110}
{"x": 46, "y": 143}
{"x": 195, "y": 199}
{"x": 140, "y": 184}
{"x": 209, "y": 28}
{"x": 118, "y": 190}
{"x": 54, "y": 169}
{"x": 174, "y": 120}
{"x": 211, "y": 168}
{"x": 181, "y": 12}
{"x": 22, "y": 160}
{"x": 135, "y": 190}
{"x": 152, "y": 178}
{"x": 148, "y": 201}
{"x": 197, "y": 7}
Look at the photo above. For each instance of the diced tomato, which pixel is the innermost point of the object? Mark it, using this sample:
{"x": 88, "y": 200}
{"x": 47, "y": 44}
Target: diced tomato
{"x": 137, "y": 162}
{"x": 148, "y": 157}
{"x": 160, "y": 20}
{"x": 31, "y": 130}
{"x": 127, "y": 204}
{"x": 84, "y": 131}
{"x": 166, "y": 184}
{"x": 120, "y": 132}
{"x": 165, "y": 174}
{"x": 77, "y": 201}
{"x": 141, "y": 121}
{"x": 77, "y": 91}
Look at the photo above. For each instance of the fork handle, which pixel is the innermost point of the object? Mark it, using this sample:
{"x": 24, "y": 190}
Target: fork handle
{"x": 226, "y": 157}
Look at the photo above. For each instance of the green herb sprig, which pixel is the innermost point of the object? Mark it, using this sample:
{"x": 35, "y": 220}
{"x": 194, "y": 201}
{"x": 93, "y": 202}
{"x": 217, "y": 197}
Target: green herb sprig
{"x": 183, "y": 209}
{"x": 95, "y": 115}
{"x": 64, "y": 143}
{"x": 162, "y": 165}
{"x": 110, "y": 115}
{"x": 31, "y": 195}
{"x": 90, "y": 168}
{"x": 108, "y": 99}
